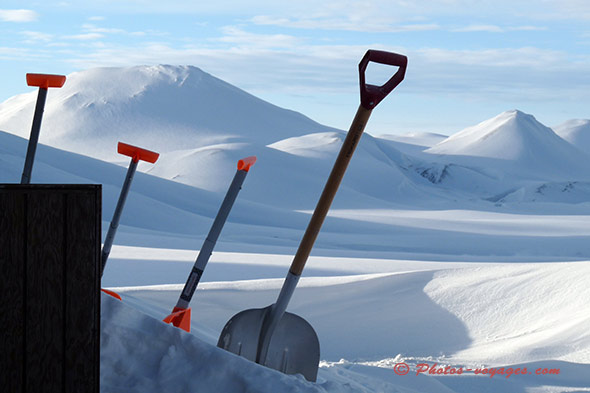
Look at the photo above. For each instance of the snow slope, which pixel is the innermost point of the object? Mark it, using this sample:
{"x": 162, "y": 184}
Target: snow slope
{"x": 493, "y": 316}
{"x": 536, "y": 309}
{"x": 576, "y": 132}
{"x": 167, "y": 214}
{"x": 414, "y": 142}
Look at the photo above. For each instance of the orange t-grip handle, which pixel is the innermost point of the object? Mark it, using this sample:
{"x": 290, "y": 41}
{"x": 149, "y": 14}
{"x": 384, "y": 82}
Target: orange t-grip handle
{"x": 245, "y": 163}
{"x": 45, "y": 81}
{"x": 137, "y": 153}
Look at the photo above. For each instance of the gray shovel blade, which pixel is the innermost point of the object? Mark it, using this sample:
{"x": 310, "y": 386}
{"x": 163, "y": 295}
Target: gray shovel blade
{"x": 294, "y": 346}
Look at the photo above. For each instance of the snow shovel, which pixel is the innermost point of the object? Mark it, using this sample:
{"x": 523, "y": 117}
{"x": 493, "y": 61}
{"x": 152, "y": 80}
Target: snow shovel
{"x": 271, "y": 336}
{"x": 44, "y": 82}
{"x": 136, "y": 154}
{"x": 181, "y": 314}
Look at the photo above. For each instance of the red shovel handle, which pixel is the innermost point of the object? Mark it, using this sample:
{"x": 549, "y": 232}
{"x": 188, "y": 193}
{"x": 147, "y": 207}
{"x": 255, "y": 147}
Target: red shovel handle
{"x": 46, "y": 81}
{"x": 371, "y": 95}
{"x": 137, "y": 153}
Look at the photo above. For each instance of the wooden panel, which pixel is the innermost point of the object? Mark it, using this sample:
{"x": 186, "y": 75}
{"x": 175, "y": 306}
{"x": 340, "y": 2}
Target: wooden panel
{"x": 50, "y": 320}
{"x": 44, "y": 335}
{"x": 12, "y": 279}
{"x": 82, "y": 292}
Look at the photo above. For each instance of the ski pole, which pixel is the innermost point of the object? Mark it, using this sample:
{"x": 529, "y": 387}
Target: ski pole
{"x": 44, "y": 82}
{"x": 136, "y": 154}
{"x": 181, "y": 314}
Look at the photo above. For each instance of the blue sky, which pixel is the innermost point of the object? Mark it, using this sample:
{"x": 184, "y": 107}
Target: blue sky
{"x": 468, "y": 60}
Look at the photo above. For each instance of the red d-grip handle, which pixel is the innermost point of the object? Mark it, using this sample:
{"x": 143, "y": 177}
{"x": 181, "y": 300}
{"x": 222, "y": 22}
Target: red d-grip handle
{"x": 137, "y": 153}
{"x": 245, "y": 163}
{"x": 45, "y": 81}
{"x": 371, "y": 95}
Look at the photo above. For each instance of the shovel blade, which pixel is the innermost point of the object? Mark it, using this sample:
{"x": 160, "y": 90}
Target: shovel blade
{"x": 294, "y": 346}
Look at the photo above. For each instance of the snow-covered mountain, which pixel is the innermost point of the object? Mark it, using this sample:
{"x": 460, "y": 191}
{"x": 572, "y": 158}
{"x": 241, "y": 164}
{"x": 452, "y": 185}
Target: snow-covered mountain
{"x": 520, "y": 141}
{"x": 576, "y": 132}
{"x": 202, "y": 126}
{"x": 199, "y": 124}
{"x": 162, "y": 107}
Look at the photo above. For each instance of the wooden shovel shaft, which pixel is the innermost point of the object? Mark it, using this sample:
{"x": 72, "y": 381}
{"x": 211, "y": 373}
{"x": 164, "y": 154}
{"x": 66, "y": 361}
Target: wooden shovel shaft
{"x": 317, "y": 219}
{"x": 277, "y": 310}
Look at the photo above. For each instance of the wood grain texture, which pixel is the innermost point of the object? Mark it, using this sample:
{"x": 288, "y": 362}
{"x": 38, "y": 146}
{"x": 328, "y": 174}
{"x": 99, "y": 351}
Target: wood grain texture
{"x": 45, "y": 312}
{"x": 82, "y": 286}
{"x": 49, "y": 254}
{"x": 12, "y": 316}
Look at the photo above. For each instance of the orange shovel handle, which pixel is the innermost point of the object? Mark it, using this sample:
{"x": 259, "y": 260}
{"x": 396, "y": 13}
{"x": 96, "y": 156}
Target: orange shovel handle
{"x": 137, "y": 153}
{"x": 46, "y": 81}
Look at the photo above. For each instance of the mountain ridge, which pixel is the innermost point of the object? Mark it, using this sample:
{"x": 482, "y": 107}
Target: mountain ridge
{"x": 168, "y": 107}
{"x": 202, "y": 125}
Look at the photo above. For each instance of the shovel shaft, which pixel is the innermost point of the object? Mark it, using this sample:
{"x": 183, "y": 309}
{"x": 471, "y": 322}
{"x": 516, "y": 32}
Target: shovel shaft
{"x": 34, "y": 138}
{"x": 313, "y": 228}
{"x": 317, "y": 219}
{"x": 207, "y": 248}
{"x": 108, "y": 242}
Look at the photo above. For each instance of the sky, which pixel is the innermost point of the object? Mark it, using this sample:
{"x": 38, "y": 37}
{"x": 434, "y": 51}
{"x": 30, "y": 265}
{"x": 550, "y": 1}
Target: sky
{"x": 467, "y": 60}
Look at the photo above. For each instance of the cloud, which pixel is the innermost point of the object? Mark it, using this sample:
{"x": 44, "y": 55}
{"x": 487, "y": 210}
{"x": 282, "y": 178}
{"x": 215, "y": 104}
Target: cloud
{"x": 495, "y": 29}
{"x": 566, "y": 9}
{"x": 18, "y": 15}
{"x": 235, "y": 35}
{"x": 297, "y": 67}
{"x": 476, "y": 28}
{"x": 345, "y": 23}
{"x": 94, "y": 29}
{"x": 525, "y": 57}
{"x": 36, "y": 36}
{"x": 8, "y": 53}
{"x": 84, "y": 37}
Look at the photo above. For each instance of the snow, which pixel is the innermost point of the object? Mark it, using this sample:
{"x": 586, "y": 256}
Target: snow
{"x": 465, "y": 251}
{"x": 414, "y": 142}
{"x": 520, "y": 139}
{"x": 576, "y": 132}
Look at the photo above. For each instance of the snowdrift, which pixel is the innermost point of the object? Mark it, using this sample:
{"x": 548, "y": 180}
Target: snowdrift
{"x": 506, "y": 315}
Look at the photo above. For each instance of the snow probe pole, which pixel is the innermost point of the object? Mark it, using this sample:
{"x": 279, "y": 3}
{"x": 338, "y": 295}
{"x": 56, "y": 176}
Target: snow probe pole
{"x": 181, "y": 314}
{"x": 136, "y": 154}
{"x": 271, "y": 336}
{"x": 44, "y": 82}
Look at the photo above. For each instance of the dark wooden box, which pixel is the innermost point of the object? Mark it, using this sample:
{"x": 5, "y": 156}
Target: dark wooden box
{"x": 50, "y": 237}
